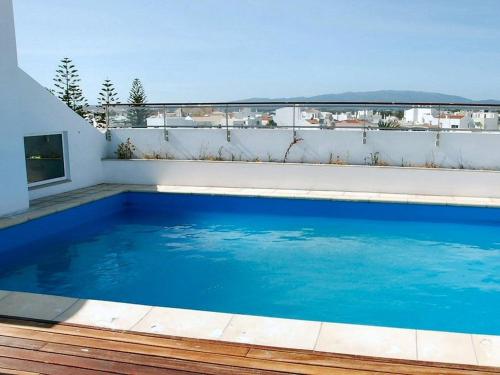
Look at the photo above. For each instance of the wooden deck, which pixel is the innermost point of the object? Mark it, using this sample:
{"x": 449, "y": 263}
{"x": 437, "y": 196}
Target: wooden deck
{"x": 33, "y": 347}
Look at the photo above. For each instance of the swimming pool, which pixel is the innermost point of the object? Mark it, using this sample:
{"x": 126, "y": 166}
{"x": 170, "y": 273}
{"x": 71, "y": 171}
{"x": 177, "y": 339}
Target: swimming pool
{"x": 399, "y": 265}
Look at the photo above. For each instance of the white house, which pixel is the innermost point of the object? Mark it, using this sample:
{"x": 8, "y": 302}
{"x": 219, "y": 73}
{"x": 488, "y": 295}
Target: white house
{"x": 303, "y": 117}
{"x": 364, "y": 114}
{"x": 453, "y": 121}
{"x": 419, "y": 116}
{"x": 343, "y": 116}
{"x": 485, "y": 120}
{"x": 285, "y": 116}
{"x": 369, "y": 116}
{"x": 159, "y": 121}
{"x": 432, "y": 117}
{"x": 250, "y": 121}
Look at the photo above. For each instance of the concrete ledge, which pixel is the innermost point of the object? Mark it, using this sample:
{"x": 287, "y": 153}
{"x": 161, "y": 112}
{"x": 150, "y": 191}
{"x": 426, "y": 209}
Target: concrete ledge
{"x": 263, "y": 175}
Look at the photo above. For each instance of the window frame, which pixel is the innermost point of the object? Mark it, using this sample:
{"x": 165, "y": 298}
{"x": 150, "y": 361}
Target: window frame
{"x": 63, "y": 178}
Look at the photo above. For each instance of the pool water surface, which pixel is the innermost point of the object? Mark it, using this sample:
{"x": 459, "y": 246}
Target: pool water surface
{"x": 397, "y": 265}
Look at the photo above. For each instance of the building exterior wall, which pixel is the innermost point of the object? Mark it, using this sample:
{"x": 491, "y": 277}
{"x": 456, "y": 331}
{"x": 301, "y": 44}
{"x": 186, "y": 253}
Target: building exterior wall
{"x": 13, "y": 190}
{"x": 285, "y": 117}
{"x": 419, "y": 115}
{"x": 486, "y": 120}
{"x": 27, "y": 108}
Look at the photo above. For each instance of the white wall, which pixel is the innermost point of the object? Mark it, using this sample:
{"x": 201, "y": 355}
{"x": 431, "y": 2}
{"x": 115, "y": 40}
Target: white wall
{"x": 26, "y": 108}
{"x": 13, "y": 192}
{"x": 304, "y": 176}
{"x": 86, "y": 144}
{"x": 7, "y": 36}
{"x": 397, "y": 148}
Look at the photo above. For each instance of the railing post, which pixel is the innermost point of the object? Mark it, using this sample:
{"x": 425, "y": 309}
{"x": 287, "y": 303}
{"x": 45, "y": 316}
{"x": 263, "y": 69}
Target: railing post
{"x": 364, "y": 115}
{"x": 108, "y": 132}
{"x": 439, "y": 127}
{"x": 228, "y": 132}
{"x": 165, "y": 131}
{"x": 364, "y": 126}
{"x": 439, "y": 117}
{"x": 293, "y": 120}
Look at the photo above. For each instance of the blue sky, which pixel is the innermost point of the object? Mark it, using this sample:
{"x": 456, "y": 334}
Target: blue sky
{"x": 203, "y": 50}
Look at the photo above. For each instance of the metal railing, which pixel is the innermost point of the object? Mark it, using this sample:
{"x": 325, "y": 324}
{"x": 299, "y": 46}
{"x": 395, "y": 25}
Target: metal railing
{"x": 296, "y": 115}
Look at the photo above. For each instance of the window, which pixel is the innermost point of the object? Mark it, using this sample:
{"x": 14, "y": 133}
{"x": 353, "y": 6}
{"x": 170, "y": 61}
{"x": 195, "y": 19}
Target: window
{"x": 45, "y": 160}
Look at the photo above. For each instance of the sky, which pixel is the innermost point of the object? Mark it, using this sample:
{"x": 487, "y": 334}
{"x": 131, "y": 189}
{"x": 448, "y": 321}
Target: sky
{"x": 216, "y": 50}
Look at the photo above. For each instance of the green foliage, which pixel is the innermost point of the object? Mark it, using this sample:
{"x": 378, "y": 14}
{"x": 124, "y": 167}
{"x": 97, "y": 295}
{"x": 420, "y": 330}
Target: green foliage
{"x": 68, "y": 88}
{"x": 125, "y": 150}
{"x": 108, "y": 94}
{"x": 137, "y": 114}
{"x": 272, "y": 123}
{"x": 389, "y": 124}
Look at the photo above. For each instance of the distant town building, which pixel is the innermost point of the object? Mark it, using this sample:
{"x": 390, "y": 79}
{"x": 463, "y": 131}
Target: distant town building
{"x": 430, "y": 117}
{"x": 453, "y": 121}
{"x": 246, "y": 117}
{"x": 485, "y": 120}
{"x": 419, "y": 116}
{"x": 159, "y": 121}
{"x": 342, "y": 116}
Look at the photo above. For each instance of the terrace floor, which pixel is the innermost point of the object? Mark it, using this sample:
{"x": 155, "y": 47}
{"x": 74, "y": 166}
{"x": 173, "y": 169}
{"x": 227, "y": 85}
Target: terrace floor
{"x": 36, "y": 347}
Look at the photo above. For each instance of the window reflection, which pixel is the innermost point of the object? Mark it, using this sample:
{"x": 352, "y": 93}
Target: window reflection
{"x": 44, "y": 157}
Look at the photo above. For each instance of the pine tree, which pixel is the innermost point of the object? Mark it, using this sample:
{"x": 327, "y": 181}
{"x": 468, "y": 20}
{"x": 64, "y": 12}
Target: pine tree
{"x": 138, "y": 114}
{"x": 68, "y": 88}
{"x": 108, "y": 94}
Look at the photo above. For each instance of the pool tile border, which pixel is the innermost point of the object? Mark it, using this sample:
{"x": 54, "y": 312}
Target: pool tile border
{"x": 268, "y": 331}
{"x": 59, "y": 202}
{"x": 370, "y": 341}
{"x": 340, "y": 338}
{"x": 487, "y": 349}
{"x": 185, "y": 323}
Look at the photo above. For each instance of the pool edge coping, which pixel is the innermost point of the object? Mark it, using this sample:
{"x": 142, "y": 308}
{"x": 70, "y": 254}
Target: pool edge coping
{"x": 323, "y": 337}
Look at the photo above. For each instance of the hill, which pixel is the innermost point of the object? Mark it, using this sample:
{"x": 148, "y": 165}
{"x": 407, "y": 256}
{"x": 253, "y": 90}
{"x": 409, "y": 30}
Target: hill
{"x": 381, "y": 96}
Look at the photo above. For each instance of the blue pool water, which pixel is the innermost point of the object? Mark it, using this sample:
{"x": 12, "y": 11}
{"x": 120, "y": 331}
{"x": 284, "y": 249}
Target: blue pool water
{"x": 400, "y": 265}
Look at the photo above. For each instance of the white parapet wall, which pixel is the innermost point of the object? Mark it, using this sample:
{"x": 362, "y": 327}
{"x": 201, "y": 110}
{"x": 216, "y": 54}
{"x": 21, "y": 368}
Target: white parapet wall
{"x": 461, "y": 150}
{"x": 405, "y": 180}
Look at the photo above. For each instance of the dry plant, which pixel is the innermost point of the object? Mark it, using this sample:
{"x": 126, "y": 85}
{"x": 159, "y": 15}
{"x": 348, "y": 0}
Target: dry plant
{"x": 293, "y": 143}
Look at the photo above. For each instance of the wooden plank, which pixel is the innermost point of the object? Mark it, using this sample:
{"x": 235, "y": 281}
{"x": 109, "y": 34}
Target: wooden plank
{"x": 384, "y": 365}
{"x": 43, "y": 368}
{"x": 94, "y": 347}
{"x": 107, "y": 367}
{"x": 188, "y": 355}
{"x": 156, "y": 340}
{"x": 160, "y": 362}
{"x": 5, "y": 371}
{"x": 20, "y": 343}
